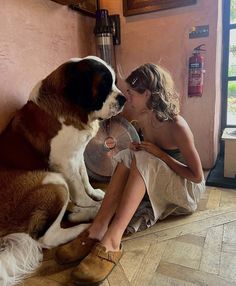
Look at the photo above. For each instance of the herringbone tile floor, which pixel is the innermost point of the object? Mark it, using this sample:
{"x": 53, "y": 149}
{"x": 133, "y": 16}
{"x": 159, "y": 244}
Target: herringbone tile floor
{"x": 199, "y": 249}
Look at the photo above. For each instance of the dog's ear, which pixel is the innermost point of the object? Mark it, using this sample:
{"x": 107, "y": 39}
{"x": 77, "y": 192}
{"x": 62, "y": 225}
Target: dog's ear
{"x": 54, "y": 83}
{"x": 79, "y": 84}
{"x": 87, "y": 83}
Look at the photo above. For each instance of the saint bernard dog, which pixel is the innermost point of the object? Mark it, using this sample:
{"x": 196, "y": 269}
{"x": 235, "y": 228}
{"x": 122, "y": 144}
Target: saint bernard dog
{"x": 42, "y": 165}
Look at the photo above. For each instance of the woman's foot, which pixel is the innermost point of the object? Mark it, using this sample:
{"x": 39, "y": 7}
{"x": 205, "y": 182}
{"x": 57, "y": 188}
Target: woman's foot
{"x": 96, "y": 266}
{"x": 79, "y": 248}
{"x": 75, "y": 250}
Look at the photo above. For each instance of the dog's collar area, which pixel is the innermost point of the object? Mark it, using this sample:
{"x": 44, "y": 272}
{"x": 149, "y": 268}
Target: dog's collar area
{"x": 33, "y": 105}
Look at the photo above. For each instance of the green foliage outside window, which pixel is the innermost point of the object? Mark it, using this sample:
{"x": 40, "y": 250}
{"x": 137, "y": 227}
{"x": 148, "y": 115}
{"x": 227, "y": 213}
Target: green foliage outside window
{"x": 232, "y": 89}
{"x": 232, "y": 11}
{"x": 232, "y": 96}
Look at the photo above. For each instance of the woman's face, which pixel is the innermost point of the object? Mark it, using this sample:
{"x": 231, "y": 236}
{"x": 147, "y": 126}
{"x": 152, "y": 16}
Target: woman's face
{"x": 136, "y": 100}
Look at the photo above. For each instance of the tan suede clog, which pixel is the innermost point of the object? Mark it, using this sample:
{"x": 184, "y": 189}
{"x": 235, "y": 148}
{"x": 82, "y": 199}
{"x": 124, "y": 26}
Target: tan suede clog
{"x": 96, "y": 266}
{"x": 75, "y": 250}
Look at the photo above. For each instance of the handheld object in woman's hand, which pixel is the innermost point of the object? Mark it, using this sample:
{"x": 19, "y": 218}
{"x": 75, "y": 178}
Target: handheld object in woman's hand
{"x": 135, "y": 146}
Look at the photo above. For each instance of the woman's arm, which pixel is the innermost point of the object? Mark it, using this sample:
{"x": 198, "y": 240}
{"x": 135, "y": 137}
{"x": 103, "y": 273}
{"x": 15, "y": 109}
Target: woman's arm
{"x": 183, "y": 138}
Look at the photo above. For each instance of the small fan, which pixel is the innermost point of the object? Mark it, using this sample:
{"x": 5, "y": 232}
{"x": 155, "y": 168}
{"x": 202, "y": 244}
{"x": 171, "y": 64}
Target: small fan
{"x": 114, "y": 135}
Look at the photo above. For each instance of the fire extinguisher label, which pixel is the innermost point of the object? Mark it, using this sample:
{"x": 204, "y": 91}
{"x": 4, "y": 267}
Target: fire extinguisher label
{"x": 195, "y": 65}
{"x": 195, "y": 78}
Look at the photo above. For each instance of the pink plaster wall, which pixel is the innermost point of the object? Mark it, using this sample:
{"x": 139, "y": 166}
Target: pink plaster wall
{"x": 163, "y": 38}
{"x": 36, "y": 36}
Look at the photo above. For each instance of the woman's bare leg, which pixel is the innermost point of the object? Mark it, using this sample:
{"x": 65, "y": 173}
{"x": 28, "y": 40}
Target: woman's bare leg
{"x": 131, "y": 197}
{"x": 110, "y": 202}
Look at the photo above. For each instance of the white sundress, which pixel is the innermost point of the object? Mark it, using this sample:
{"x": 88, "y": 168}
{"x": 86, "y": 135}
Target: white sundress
{"x": 167, "y": 192}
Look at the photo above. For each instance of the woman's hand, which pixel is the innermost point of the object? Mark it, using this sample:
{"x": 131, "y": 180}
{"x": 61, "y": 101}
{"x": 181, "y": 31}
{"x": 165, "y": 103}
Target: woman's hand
{"x": 152, "y": 149}
{"x": 135, "y": 146}
{"x": 148, "y": 147}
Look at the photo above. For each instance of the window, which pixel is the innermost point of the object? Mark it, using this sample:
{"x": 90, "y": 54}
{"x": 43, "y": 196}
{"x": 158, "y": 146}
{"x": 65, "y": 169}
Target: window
{"x": 229, "y": 65}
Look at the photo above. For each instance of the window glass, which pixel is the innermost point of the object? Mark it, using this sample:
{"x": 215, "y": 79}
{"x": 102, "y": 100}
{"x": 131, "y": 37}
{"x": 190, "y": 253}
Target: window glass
{"x": 232, "y": 53}
{"x": 233, "y": 12}
{"x": 231, "y": 103}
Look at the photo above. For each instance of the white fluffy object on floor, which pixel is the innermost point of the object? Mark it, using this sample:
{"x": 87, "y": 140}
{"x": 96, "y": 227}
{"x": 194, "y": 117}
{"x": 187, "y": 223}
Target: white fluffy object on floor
{"x": 19, "y": 256}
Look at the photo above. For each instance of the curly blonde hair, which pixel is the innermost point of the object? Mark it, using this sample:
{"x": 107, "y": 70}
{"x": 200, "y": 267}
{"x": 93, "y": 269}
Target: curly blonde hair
{"x": 164, "y": 98}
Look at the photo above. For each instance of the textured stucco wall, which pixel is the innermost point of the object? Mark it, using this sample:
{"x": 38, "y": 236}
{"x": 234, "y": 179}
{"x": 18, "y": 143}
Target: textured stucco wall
{"x": 163, "y": 38}
{"x": 36, "y": 36}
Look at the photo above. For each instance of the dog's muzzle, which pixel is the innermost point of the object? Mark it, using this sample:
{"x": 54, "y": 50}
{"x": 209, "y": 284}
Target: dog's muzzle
{"x": 121, "y": 100}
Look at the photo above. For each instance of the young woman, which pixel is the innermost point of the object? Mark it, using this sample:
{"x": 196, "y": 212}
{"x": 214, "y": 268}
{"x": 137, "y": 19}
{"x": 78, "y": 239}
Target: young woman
{"x": 163, "y": 174}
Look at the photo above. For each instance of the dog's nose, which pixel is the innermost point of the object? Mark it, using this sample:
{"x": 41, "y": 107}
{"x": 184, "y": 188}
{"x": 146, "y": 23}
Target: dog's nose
{"x": 121, "y": 99}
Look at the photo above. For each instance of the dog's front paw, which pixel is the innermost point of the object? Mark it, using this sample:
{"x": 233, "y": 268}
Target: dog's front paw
{"x": 79, "y": 216}
{"x": 75, "y": 209}
{"x": 72, "y": 207}
{"x": 97, "y": 194}
{"x": 84, "y": 214}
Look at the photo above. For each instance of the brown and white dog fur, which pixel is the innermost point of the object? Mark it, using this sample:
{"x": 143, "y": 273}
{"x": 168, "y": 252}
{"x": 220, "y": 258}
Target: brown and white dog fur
{"x": 42, "y": 165}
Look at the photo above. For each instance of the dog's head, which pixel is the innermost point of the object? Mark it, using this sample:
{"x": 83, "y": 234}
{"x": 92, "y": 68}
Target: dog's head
{"x": 86, "y": 87}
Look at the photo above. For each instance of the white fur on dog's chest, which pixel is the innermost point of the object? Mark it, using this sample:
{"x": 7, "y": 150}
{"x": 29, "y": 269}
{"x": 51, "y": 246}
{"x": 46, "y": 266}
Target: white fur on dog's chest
{"x": 68, "y": 146}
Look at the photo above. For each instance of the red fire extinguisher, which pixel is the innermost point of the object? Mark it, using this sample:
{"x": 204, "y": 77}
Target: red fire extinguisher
{"x": 196, "y": 72}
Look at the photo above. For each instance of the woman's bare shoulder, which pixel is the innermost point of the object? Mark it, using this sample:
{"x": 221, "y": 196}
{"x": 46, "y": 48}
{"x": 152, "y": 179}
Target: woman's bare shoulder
{"x": 180, "y": 127}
